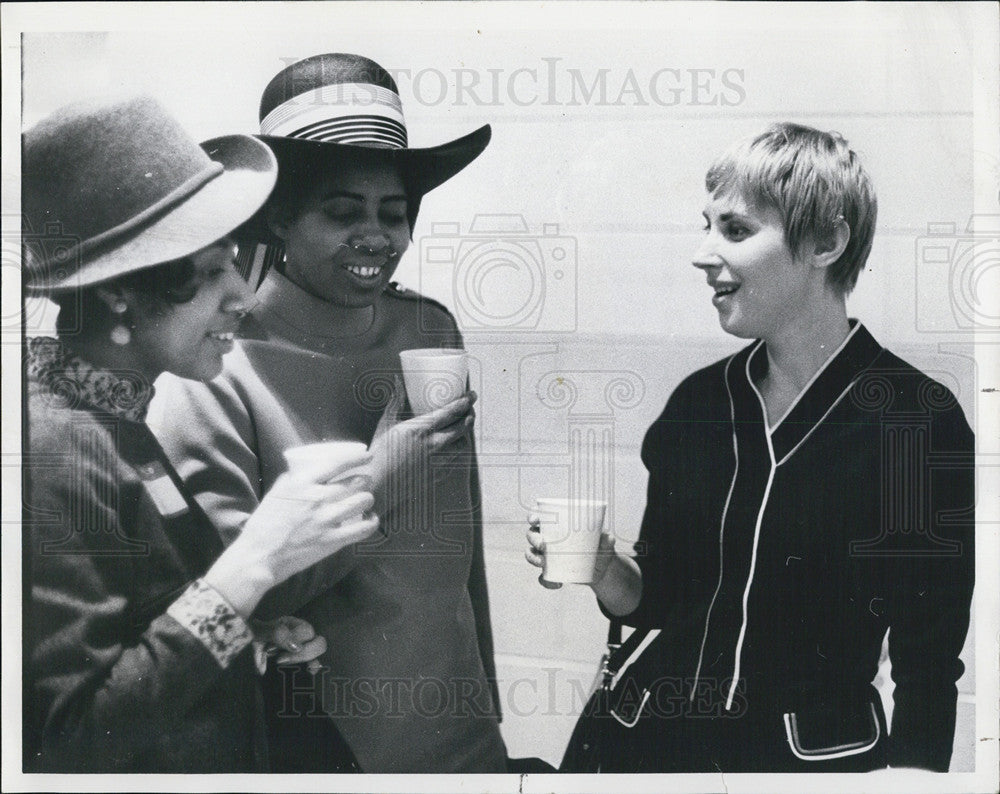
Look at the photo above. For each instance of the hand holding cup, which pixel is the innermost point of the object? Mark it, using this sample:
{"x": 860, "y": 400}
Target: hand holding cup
{"x": 307, "y": 515}
{"x": 568, "y": 543}
{"x": 405, "y": 451}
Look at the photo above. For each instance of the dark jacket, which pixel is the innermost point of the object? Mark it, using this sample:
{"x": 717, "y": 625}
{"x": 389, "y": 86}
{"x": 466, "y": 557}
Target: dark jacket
{"x": 113, "y": 683}
{"x": 775, "y": 561}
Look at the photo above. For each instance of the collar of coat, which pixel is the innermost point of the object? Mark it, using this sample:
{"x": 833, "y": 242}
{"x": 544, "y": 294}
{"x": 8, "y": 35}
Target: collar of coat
{"x": 71, "y": 382}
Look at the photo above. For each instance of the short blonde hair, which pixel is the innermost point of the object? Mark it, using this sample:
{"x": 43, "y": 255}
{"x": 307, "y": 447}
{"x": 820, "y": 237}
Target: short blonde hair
{"x": 813, "y": 179}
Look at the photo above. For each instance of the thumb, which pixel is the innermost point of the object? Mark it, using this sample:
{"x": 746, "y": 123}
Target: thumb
{"x": 390, "y": 416}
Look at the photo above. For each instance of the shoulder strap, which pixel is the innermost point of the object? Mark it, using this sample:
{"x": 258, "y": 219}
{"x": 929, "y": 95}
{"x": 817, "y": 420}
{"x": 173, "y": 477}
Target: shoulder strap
{"x": 619, "y": 652}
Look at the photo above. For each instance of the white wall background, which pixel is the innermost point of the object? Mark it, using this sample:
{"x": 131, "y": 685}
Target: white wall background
{"x": 618, "y": 180}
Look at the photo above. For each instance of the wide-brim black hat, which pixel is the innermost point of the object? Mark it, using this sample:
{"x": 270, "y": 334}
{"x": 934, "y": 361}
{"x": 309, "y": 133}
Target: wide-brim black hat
{"x": 340, "y": 106}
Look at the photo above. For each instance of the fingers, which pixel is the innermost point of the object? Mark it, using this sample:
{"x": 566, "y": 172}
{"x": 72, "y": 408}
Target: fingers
{"x": 349, "y": 507}
{"x": 547, "y": 584}
{"x": 306, "y": 651}
{"x": 286, "y": 633}
{"x": 296, "y": 631}
{"x": 356, "y": 531}
{"x": 336, "y": 491}
{"x": 449, "y": 414}
{"x": 535, "y": 539}
{"x": 333, "y": 494}
{"x": 535, "y": 553}
{"x": 451, "y": 435}
{"x": 393, "y": 408}
{"x": 534, "y": 557}
{"x": 323, "y": 469}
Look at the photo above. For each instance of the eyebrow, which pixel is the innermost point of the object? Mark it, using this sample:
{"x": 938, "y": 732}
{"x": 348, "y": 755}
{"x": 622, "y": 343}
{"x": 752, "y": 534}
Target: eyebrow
{"x": 359, "y": 197}
{"x": 726, "y": 216}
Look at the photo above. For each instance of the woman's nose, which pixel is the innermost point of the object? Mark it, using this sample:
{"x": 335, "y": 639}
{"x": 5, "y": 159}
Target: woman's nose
{"x": 239, "y": 297}
{"x": 705, "y": 255}
{"x": 373, "y": 242}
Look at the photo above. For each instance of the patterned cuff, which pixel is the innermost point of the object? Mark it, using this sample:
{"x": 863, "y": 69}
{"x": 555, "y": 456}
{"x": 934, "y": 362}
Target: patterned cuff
{"x": 205, "y": 613}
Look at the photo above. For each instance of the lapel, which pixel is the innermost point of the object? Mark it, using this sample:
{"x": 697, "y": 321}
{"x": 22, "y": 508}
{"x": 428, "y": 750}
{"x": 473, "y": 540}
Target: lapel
{"x": 821, "y": 395}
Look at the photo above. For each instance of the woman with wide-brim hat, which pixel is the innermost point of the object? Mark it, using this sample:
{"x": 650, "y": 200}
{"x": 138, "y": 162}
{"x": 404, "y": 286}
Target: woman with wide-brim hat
{"x": 139, "y": 652}
{"x": 409, "y": 662}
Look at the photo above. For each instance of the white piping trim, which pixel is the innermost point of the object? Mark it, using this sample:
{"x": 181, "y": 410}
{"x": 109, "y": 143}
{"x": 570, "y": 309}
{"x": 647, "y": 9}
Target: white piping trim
{"x": 638, "y": 712}
{"x": 792, "y": 735}
{"x": 651, "y": 635}
{"x": 812, "y": 380}
{"x": 722, "y": 526}
{"x": 756, "y": 539}
{"x": 812, "y": 429}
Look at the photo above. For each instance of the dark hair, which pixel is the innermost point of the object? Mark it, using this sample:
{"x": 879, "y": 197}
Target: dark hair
{"x": 158, "y": 286}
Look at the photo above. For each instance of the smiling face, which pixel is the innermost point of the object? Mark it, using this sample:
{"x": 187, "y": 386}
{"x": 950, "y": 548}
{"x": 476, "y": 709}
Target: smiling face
{"x": 190, "y": 338}
{"x": 761, "y": 287}
{"x": 345, "y": 243}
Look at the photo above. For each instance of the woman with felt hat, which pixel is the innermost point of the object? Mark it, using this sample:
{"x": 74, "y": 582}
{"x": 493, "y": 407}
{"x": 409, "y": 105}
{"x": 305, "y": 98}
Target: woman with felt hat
{"x": 409, "y": 671}
{"x": 139, "y": 652}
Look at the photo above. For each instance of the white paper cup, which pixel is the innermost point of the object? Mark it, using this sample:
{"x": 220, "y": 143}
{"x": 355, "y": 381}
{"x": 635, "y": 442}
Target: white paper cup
{"x": 434, "y": 377}
{"x": 329, "y": 452}
{"x": 571, "y": 530}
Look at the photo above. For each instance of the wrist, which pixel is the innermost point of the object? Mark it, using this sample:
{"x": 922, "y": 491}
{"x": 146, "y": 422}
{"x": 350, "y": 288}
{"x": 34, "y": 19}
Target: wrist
{"x": 599, "y": 583}
{"x": 242, "y": 585}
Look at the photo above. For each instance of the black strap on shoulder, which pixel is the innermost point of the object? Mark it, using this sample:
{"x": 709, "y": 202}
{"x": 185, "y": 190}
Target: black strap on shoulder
{"x": 618, "y": 651}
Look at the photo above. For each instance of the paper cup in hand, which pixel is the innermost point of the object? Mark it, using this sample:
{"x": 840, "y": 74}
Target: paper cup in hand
{"x": 434, "y": 377}
{"x": 571, "y": 530}
{"x": 341, "y": 456}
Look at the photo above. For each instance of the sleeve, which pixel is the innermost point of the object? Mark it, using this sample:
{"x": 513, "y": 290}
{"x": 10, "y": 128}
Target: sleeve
{"x": 477, "y": 587}
{"x": 101, "y": 683}
{"x": 670, "y": 551}
{"x": 931, "y": 597}
{"x": 478, "y": 592}
{"x": 208, "y": 432}
{"x": 648, "y": 548}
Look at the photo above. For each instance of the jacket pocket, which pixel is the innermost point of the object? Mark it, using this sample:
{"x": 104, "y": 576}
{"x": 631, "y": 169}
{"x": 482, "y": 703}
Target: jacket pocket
{"x": 822, "y": 735}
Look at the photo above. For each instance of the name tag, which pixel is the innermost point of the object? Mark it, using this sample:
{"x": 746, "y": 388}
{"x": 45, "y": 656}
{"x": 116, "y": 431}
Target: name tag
{"x": 161, "y": 489}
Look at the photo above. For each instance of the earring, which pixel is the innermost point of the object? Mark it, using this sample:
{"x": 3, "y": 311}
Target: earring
{"x": 120, "y": 334}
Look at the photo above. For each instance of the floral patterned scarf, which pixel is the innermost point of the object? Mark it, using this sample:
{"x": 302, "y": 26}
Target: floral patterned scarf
{"x": 71, "y": 381}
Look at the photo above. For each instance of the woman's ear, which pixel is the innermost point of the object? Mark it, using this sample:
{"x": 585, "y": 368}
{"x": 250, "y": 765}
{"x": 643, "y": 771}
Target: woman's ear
{"x": 113, "y": 297}
{"x": 829, "y": 248}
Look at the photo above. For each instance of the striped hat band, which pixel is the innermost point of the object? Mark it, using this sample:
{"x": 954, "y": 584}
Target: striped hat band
{"x": 360, "y": 114}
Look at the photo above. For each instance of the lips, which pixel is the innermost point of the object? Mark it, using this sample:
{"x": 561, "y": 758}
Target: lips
{"x": 369, "y": 272}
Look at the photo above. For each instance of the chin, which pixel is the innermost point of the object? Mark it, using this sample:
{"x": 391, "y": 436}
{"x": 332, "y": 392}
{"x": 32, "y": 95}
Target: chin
{"x": 739, "y": 330}
{"x": 203, "y": 371}
{"x": 356, "y": 300}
